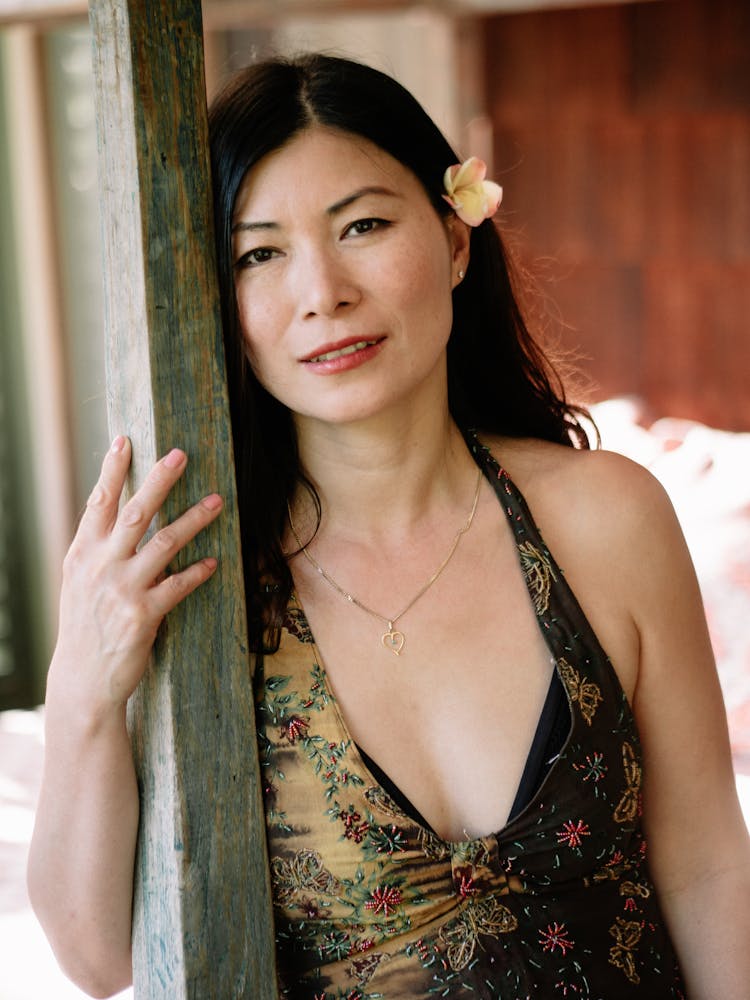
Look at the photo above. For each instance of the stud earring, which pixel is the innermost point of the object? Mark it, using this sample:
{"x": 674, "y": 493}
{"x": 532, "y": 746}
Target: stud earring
{"x": 461, "y": 275}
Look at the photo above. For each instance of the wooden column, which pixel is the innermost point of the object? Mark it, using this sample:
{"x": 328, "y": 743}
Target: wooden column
{"x": 202, "y": 924}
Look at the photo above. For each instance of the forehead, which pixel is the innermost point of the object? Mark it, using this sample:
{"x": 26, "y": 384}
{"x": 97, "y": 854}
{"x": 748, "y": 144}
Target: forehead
{"x": 318, "y": 167}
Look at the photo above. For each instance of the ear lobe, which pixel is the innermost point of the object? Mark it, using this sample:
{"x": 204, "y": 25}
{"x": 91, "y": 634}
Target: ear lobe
{"x": 459, "y": 236}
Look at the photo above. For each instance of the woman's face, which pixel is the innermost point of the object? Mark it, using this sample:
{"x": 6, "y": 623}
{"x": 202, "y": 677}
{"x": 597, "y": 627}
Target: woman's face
{"x": 343, "y": 276}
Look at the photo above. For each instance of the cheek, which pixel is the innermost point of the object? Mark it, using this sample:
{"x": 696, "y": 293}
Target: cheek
{"x": 259, "y": 322}
{"x": 424, "y": 287}
{"x": 261, "y": 361}
{"x": 424, "y": 275}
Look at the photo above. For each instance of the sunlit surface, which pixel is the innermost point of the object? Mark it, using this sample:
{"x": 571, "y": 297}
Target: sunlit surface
{"x": 28, "y": 970}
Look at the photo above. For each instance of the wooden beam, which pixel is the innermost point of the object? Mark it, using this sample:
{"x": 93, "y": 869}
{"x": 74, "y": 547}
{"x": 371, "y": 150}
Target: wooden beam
{"x": 202, "y": 922}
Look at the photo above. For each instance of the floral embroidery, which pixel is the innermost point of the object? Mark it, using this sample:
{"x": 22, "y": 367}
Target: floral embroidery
{"x": 594, "y": 769}
{"x": 385, "y": 900}
{"x": 486, "y": 917}
{"x": 386, "y": 840}
{"x": 295, "y": 623}
{"x": 370, "y": 903}
{"x": 539, "y": 575}
{"x": 363, "y": 969}
{"x": 304, "y": 870}
{"x": 295, "y": 727}
{"x": 464, "y": 883}
{"x": 566, "y": 987}
{"x": 586, "y": 693}
{"x": 309, "y": 908}
{"x": 635, "y": 889}
{"x": 629, "y": 805}
{"x": 572, "y": 833}
{"x": 617, "y": 866}
{"x": 627, "y": 934}
{"x": 354, "y": 828}
{"x": 433, "y": 848}
{"x": 379, "y": 799}
{"x": 556, "y": 936}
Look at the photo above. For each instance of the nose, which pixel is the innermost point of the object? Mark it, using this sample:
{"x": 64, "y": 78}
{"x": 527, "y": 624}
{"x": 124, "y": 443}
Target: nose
{"x": 324, "y": 285}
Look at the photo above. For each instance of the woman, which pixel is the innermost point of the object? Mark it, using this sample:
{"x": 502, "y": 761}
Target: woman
{"x": 459, "y": 780}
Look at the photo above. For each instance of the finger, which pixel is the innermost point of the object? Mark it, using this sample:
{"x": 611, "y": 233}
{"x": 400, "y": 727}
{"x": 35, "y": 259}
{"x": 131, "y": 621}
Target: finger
{"x": 154, "y": 557}
{"x": 136, "y": 515}
{"x": 101, "y": 508}
{"x": 165, "y": 596}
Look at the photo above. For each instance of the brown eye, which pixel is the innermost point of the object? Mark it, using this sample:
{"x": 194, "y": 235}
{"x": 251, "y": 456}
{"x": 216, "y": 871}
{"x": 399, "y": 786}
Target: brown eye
{"x": 255, "y": 257}
{"x": 363, "y": 226}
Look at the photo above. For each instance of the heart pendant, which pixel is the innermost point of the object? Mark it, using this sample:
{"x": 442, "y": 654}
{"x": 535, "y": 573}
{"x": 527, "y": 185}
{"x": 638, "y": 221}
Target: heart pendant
{"x": 393, "y": 640}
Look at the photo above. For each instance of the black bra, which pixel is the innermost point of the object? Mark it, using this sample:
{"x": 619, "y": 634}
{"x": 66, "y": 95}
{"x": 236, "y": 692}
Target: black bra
{"x": 551, "y": 733}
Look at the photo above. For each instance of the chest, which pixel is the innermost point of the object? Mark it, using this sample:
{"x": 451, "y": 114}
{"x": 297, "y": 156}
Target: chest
{"x": 452, "y": 717}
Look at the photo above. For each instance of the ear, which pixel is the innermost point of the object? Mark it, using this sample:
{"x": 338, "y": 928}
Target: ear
{"x": 459, "y": 240}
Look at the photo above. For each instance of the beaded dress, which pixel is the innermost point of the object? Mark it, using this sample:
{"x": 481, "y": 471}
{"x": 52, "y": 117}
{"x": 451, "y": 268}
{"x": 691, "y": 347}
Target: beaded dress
{"x": 370, "y": 903}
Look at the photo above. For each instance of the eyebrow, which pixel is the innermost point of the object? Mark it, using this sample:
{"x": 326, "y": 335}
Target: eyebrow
{"x": 356, "y": 195}
{"x": 338, "y": 206}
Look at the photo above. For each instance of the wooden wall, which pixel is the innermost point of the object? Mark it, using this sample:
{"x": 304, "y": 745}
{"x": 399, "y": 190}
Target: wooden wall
{"x": 622, "y": 139}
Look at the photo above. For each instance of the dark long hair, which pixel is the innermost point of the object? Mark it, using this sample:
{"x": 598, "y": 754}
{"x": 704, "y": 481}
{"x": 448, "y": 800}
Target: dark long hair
{"x": 499, "y": 380}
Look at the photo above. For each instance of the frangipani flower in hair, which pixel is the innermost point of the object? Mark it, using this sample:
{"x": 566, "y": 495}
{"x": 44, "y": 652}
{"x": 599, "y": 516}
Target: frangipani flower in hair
{"x": 467, "y": 192}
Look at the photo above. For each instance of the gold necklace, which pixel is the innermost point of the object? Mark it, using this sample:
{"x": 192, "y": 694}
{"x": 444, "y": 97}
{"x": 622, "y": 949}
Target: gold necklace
{"x": 392, "y": 638}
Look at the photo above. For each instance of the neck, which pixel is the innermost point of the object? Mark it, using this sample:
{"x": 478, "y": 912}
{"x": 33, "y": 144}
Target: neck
{"x": 377, "y": 479}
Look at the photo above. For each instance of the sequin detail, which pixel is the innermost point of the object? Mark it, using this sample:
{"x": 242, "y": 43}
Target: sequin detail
{"x": 371, "y": 904}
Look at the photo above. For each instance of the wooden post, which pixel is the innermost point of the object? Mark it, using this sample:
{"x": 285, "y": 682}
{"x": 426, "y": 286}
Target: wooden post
{"x": 202, "y": 922}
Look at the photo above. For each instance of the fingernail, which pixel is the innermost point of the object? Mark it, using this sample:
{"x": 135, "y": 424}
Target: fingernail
{"x": 211, "y": 563}
{"x": 212, "y": 502}
{"x": 174, "y": 459}
{"x": 118, "y": 444}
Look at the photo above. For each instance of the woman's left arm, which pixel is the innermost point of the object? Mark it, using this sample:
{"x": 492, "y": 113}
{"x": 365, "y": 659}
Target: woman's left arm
{"x": 698, "y": 845}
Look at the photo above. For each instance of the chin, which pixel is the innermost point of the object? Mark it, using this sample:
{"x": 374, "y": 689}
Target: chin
{"x": 358, "y": 404}
{"x": 347, "y": 413}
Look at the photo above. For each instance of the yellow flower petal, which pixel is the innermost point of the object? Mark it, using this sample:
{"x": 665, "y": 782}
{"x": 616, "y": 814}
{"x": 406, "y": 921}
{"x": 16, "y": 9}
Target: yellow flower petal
{"x": 472, "y": 197}
{"x": 471, "y": 171}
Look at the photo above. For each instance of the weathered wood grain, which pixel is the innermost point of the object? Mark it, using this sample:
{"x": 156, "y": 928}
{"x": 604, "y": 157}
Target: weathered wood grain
{"x": 623, "y": 134}
{"x": 202, "y": 924}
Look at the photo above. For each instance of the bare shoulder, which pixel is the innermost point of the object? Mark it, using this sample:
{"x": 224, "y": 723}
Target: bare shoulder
{"x": 601, "y": 493}
{"x": 613, "y": 532}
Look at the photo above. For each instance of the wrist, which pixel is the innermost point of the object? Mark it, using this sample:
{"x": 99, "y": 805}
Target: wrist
{"x": 85, "y": 708}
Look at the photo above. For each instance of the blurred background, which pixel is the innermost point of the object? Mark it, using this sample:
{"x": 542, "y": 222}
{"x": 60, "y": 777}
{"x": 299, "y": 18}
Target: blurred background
{"x": 621, "y": 136}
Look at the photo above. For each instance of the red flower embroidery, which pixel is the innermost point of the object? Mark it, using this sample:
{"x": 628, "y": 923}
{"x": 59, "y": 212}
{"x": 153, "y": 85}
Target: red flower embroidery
{"x": 384, "y": 900}
{"x": 572, "y": 833}
{"x": 463, "y": 879}
{"x": 354, "y": 829}
{"x": 467, "y": 887}
{"x": 294, "y": 728}
{"x": 556, "y": 936}
{"x": 422, "y": 950}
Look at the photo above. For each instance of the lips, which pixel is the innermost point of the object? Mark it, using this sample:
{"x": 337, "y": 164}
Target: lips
{"x": 343, "y": 351}
{"x": 329, "y": 352}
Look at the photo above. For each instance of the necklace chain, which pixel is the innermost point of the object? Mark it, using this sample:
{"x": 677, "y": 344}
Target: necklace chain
{"x": 392, "y": 638}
